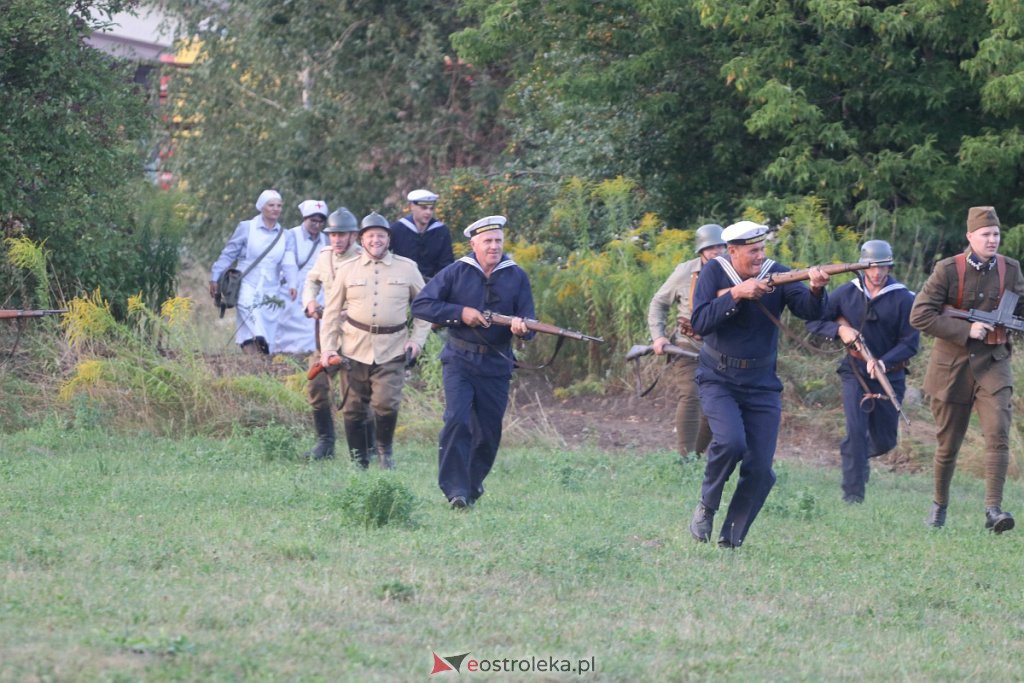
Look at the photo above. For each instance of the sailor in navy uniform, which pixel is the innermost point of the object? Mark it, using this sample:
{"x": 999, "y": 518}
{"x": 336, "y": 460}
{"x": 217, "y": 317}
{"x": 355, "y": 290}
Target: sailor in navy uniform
{"x": 879, "y": 307}
{"x": 421, "y": 237}
{"x": 477, "y": 357}
{"x": 739, "y": 390}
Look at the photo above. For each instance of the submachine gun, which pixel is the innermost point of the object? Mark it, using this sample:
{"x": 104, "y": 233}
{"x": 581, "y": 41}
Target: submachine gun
{"x": 1002, "y": 316}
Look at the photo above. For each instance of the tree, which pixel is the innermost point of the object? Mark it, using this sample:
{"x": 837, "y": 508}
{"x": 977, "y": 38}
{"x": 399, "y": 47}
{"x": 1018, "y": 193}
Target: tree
{"x": 354, "y": 103}
{"x": 620, "y": 87}
{"x": 73, "y": 128}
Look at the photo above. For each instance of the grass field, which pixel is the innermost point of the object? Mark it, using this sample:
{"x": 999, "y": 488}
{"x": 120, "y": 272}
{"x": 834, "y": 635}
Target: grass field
{"x": 198, "y": 559}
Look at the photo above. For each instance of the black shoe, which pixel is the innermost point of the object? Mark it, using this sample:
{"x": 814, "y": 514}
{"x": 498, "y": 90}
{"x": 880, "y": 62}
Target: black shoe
{"x": 459, "y": 503}
{"x": 701, "y": 523}
{"x": 937, "y": 517}
{"x": 724, "y": 542}
{"x": 853, "y": 500}
{"x": 997, "y": 520}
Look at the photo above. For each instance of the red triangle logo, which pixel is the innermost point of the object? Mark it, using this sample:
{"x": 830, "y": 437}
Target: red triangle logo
{"x": 440, "y": 665}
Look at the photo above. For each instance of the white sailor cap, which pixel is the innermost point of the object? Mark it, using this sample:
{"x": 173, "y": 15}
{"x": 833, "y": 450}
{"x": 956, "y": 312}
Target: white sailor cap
{"x": 266, "y": 196}
{"x": 313, "y": 206}
{"x": 422, "y": 197}
{"x": 745, "y": 232}
{"x": 484, "y": 225}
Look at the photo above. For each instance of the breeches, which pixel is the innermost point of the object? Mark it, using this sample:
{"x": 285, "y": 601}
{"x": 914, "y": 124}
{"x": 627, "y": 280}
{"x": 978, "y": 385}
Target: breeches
{"x": 374, "y": 387}
{"x": 951, "y": 420}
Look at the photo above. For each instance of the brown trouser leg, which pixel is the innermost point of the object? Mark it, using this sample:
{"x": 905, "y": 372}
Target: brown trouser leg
{"x": 951, "y": 419}
{"x": 994, "y": 414}
{"x": 692, "y": 431}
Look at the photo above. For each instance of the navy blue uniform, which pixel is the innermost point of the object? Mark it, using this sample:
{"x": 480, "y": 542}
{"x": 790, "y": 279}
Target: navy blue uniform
{"x": 884, "y": 323}
{"x": 477, "y": 365}
{"x": 739, "y": 391}
{"x": 430, "y": 249}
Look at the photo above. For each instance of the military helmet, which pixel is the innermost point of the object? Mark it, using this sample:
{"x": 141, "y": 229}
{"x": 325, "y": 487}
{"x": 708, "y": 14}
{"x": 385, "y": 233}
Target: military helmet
{"x": 876, "y": 252}
{"x": 709, "y": 235}
{"x": 341, "y": 220}
{"x": 374, "y": 220}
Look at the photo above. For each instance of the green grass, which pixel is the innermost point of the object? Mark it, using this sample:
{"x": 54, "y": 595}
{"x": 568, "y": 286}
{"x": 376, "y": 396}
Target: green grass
{"x": 199, "y": 559}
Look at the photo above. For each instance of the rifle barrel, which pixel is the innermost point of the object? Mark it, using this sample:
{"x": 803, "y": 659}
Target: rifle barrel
{"x": 538, "y": 326}
{"x": 11, "y": 314}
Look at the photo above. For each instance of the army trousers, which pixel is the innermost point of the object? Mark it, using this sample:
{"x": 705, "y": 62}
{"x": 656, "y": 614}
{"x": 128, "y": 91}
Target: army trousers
{"x": 376, "y": 387}
{"x": 692, "y": 431}
{"x": 745, "y": 427}
{"x": 871, "y": 430}
{"x": 951, "y": 421}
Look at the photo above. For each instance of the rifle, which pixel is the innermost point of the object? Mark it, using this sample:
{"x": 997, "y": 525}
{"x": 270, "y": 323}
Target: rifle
{"x": 776, "y": 279}
{"x": 537, "y": 326}
{"x": 318, "y": 367}
{"x": 12, "y": 314}
{"x": 861, "y": 346}
{"x": 1001, "y": 317}
{"x": 639, "y": 350}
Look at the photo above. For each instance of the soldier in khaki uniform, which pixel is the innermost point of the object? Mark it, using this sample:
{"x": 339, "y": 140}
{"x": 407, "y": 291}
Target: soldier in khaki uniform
{"x": 341, "y": 229}
{"x": 970, "y": 363}
{"x": 375, "y": 289}
{"x": 692, "y": 431}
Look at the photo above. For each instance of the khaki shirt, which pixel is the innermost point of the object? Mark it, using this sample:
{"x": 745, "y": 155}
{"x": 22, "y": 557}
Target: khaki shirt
{"x": 957, "y": 361}
{"x": 678, "y": 289}
{"x": 373, "y": 293}
{"x": 321, "y": 275}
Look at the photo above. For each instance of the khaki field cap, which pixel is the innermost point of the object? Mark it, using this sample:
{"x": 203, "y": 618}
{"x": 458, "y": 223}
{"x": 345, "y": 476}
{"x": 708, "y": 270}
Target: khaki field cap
{"x": 979, "y": 217}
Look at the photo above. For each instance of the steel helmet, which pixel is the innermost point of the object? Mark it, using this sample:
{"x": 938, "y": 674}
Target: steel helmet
{"x": 374, "y": 220}
{"x": 709, "y": 235}
{"x": 876, "y": 252}
{"x": 341, "y": 220}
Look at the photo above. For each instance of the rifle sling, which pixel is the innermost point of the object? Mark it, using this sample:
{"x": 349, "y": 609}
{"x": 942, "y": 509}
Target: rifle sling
{"x": 487, "y": 347}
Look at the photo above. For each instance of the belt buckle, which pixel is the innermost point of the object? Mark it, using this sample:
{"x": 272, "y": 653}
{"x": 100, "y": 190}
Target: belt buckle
{"x": 374, "y": 329}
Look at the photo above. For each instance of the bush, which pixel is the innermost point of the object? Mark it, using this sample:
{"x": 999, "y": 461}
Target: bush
{"x": 376, "y": 500}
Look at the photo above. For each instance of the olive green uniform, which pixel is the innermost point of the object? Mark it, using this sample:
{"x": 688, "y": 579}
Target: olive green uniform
{"x": 692, "y": 431}
{"x": 964, "y": 373}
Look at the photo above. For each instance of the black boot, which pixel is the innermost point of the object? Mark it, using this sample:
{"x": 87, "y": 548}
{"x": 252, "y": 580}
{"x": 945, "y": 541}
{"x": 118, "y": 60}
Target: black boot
{"x": 701, "y": 523}
{"x": 356, "y": 436}
{"x": 324, "y": 424}
{"x": 997, "y": 520}
{"x": 385, "y": 428}
{"x": 937, "y": 516}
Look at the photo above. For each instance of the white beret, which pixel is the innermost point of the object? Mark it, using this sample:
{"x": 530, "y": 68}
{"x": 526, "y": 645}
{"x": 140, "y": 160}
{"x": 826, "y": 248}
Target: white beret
{"x": 745, "y": 232}
{"x": 485, "y": 224}
{"x": 421, "y": 197}
{"x": 265, "y": 197}
{"x": 312, "y": 206}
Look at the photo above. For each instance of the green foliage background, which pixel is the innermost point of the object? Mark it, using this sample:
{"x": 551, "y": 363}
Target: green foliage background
{"x": 74, "y": 132}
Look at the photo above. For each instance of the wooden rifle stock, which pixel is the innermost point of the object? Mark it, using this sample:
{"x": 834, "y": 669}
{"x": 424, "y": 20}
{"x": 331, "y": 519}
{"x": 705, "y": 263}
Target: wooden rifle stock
{"x": 318, "y": 367}
{"x": 537, "y": 326}
{"x": 776, "y": 279}
{"x": 12, "y": 314}
{"x": 862, "y": 348}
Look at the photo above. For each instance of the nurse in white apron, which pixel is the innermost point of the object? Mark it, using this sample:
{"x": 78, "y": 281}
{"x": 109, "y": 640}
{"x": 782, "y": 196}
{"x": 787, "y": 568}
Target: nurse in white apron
{"x": 259, "y": 301}
{"x": 295, "y": 331}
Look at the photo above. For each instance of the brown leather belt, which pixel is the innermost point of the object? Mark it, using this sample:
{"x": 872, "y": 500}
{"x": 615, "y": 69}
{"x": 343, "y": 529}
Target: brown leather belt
{"x": 376, "y": 329}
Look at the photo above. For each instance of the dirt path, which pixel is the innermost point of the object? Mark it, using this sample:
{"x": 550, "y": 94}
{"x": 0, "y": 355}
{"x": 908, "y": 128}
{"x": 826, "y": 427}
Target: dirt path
{"x": 622, "y": 422}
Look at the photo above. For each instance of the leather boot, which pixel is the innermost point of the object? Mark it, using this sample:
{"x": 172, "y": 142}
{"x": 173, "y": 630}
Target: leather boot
{"x": 937, "y": 516}
{"x": 323, "y": 422}
{"x": 701, "y": 523}
{"x": 997, "y": 520}
{"x": 385, "y": 428}
{"x": 356, "y": 436}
